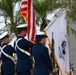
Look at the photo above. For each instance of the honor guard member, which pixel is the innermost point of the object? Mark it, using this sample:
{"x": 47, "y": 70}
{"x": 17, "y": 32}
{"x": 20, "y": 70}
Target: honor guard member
{"x": 7, "y": 67}
{"x": 24, "y": 64}
{"x": 41, "y": 56}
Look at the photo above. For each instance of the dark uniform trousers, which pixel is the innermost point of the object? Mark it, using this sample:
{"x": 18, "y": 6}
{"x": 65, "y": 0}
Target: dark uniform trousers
{"x": 24, "y": 73}
{"x": 8, "y": 74}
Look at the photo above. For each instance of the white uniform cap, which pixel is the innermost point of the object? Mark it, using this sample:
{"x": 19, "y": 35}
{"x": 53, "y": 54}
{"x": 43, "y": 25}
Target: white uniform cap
{"x": 40, "y": 34}
{"x": 22, "y": 26}
{"x": 3, "y": 35}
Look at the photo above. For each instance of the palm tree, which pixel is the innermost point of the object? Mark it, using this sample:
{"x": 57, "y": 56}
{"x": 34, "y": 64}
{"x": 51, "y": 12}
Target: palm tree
{"x": 11, "y": 16}
{"x": 42, "y": 9}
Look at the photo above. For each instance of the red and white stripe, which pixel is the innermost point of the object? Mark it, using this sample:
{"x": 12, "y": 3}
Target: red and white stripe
{"x": 24, "y": 9}
{"x": 31, "y": 21}
{"x": 28, "y": 13}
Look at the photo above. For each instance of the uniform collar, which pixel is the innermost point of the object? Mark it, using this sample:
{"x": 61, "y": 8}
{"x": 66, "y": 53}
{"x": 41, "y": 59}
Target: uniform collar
{"x": 20, "y": 37}
{"x": 40, "y": 43}
{"x": 3, "y": 44}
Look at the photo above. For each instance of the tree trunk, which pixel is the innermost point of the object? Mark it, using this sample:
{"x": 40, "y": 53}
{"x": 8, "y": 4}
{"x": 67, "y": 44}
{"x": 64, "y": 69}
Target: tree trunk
{"x": 43, "y": 25}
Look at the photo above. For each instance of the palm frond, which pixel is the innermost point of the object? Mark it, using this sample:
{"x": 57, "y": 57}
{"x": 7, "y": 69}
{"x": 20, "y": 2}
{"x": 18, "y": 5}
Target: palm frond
{"x": 7, "y": 9}
{"x": 42, "y": 9}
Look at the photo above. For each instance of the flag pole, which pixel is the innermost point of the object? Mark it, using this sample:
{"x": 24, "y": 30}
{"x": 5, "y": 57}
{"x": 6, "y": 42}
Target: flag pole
{"x": 53, "y": 59}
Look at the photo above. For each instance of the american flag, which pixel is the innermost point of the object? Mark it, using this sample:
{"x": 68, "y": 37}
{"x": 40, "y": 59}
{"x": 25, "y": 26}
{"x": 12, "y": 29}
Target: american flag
{"x": 27, "y": 12}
